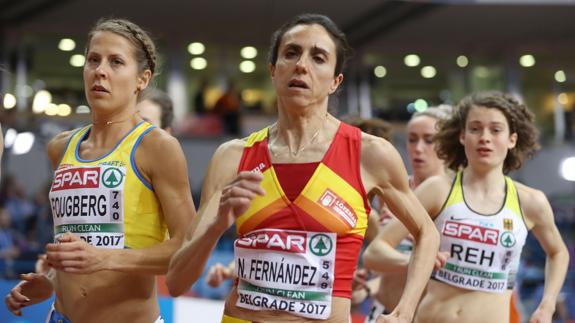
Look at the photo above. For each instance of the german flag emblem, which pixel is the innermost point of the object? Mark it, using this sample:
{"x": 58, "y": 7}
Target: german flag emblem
{"x": 508, "y": 224}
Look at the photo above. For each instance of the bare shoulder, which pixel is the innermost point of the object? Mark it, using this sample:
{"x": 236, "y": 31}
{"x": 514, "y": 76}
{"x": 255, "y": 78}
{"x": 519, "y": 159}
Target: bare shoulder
{"x": 376, "y": 150}
{"x": 529, "y": 197}
{"x": 159, "y": 155}
{"x": 232, "y": 147}
{"x": 57, "y": 145}
{"x": 223, "y": 167}
{"x": 437, "y": 182}
{"x": 227, "y": 157}
{"x": 381, "y": 165}
{"x": 157, "y": 143}
{"x": 534, "y": 204}
{"x": 433, "y": 192}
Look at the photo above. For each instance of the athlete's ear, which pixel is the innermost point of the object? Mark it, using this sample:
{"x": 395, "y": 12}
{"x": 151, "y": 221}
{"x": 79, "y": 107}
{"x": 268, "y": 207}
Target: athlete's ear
{"x": 143, "y": 80}
{"x": 272, "y": 69}
{"x": 512, "y": 140}
{"x": 337, "y": 80}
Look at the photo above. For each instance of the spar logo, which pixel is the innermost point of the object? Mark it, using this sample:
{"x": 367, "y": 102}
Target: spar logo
{"x": 288, "y": 241}
{"x": 508, "y": 239}
{"x": 112, "y": 177}
{"x": 338, "y": 206}
{"x": 77, "y": 177}
{"x": 320, "y": 244}
{"x": 471, "y": 232}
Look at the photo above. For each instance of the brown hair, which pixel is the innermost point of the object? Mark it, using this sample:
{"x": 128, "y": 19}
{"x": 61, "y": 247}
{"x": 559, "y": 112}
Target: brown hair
{"x": 143, "y": 44}
{"x": 519, "y": 119}
{"x": 374, "y": 126}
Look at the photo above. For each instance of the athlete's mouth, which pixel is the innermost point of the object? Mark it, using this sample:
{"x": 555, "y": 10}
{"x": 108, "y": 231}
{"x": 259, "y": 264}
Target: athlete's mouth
{"x": 99, "y": 88}
{"x": 298, "y": 83}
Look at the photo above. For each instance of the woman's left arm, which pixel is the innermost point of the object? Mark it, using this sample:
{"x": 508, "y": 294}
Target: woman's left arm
{"x": 539, "y": 216}
{"x": 161, "y": 159}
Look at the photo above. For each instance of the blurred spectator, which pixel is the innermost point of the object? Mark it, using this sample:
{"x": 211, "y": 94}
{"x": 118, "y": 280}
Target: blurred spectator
{"x": 9, "y": 250}
{"x": 228, "y": 108}
{"x": 200, "y": 98}
{"x": 43, "y": 223}
{"x": 13, "y": 198}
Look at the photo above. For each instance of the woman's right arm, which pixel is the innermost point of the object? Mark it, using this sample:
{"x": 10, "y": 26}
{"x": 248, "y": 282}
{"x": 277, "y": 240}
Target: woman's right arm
{"x": 37, "y": 287}
{"x": 381, "y": 254}
{"x": 225, "y": 196}
{"x": 56, "y": 147}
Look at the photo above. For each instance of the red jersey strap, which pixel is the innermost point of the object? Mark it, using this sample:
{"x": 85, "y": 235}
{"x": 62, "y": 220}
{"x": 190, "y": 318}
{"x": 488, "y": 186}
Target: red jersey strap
{"x": 347, "y": 143}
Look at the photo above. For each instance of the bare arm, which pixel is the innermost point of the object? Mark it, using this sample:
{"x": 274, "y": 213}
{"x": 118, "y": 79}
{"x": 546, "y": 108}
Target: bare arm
{"x": 167, "y": 168}
{"x": 156, "y": 152}
{"x": 56, "y": 147}
{"x": 388, "y": 176}
{"x": 34, "y": 288}
{"x": 539, "y": 215}
{"x": 381, "y": 254}
{"x": 225, "y": 196}
{"x": 372, "y": 226}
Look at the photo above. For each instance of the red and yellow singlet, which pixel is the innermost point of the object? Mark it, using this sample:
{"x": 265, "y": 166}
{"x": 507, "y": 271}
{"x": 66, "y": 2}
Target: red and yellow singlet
{"x": 295, "y": 255}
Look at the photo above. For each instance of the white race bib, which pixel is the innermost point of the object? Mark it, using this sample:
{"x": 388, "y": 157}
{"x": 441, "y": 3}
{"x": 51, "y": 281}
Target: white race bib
{"x": 88, "y": 201}
{"x": 476, "y": 261}
{"x": 291, "y": 271}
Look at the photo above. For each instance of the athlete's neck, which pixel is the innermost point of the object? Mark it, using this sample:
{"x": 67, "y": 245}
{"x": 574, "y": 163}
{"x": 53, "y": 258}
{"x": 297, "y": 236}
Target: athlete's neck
{"x": 483, "y": 182}
{"x": 298, "y": 132}
{"x": 109, "y": 133}
{"x": 102, "y": 119}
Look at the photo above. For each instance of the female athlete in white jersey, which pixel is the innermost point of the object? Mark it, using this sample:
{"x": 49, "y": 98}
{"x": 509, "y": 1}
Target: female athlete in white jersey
{"x": 483, "y": 216}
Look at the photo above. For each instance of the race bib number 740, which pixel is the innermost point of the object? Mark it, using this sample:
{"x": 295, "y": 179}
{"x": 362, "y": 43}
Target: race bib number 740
{"x": 88, "y": 201}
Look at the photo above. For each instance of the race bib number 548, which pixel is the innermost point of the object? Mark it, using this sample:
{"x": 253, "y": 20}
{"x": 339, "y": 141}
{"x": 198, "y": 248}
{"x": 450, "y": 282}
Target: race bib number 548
{"x": 286, "y": 270}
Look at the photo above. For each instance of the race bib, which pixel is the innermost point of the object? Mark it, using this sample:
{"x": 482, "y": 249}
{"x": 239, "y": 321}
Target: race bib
{"x": 291, "y": 271}
{"x": 476, "y": 260}
{"x": 475, "y": 279}
{"x": 88, "y": 201}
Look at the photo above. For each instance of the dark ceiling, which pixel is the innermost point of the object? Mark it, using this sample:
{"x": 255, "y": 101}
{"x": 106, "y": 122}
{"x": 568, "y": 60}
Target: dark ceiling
{"x": 380, "y": 31}
{"x": 369, "y": 24}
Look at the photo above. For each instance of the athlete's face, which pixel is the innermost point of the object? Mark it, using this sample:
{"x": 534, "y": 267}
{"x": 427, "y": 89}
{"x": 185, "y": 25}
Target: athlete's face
{"x": 304, "y": 70}
{"x": 486, "y": 137}
{"x": 111, "y": 77}
{"x": 421, "y": 149}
